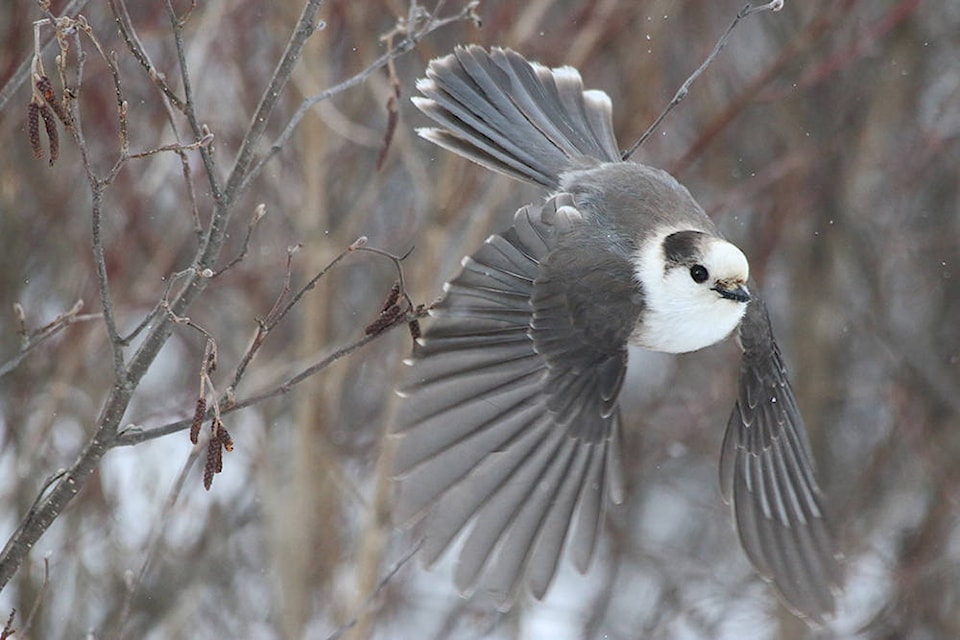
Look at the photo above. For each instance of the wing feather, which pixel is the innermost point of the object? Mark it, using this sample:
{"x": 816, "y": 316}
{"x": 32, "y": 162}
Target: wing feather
{"x": 767, "y": 472}
{"x": 507, "y": 426}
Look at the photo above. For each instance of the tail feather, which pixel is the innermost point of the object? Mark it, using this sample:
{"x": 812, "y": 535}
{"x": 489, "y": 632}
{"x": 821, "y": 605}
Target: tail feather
{"x": 516, "y": 117}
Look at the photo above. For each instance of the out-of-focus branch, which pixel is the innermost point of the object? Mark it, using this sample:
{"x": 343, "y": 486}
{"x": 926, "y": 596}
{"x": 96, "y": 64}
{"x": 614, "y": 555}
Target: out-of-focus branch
{"x": 368, "y": 600}
{"x": 810, "y": 34}
{"x": 241, "y": 174}
{"x": 156, "y": 533}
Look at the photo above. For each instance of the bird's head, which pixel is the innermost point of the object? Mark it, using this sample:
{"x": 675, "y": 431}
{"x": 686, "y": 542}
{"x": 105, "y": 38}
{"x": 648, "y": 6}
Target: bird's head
{"x": 695, "y": 290}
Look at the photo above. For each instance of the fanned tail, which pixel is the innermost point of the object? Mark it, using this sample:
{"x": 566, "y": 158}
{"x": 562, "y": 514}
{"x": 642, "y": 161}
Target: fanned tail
{"x": 516, "y": 117}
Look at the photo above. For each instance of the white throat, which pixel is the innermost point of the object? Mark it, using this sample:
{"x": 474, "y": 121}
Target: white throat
{"x": 679, "y": 314}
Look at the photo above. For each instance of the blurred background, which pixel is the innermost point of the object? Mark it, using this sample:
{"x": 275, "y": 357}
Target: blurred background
{"x": 825, "y": 142}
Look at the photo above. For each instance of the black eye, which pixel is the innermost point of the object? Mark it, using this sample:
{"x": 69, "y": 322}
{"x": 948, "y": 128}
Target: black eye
{"x": 699, "y": 273}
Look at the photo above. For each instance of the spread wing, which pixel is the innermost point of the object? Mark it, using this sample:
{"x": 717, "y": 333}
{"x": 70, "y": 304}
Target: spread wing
{"x": 767, "y": 472}
{"x": 508, "y": 422}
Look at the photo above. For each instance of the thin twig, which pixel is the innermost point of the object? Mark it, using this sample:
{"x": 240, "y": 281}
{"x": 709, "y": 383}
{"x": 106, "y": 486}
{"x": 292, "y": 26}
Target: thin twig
{"x": 162, "y": 304}
{"x": 133, "y": 436}
{"x": 404, "y": 46}
{"x": 72, "y": 120}
{"x": 37, "y": 337}
{"x": 205, "y": 141}
{"x": 368, "y": 601}
{"x": 264, "y": 325}
{"x": 157, "y": 533}
{"x": 189, "y": 109}
{"x": 833, "y": 13}
{"x": 125, "y": 26}
{"x": 279, "y": 310}
{"x": 773, "y": 5}
{"x": 169, "y": 99}
{"x": 258, "y": 212}
{"x": 275, "y": 318}
{"x": 25, "y": 632}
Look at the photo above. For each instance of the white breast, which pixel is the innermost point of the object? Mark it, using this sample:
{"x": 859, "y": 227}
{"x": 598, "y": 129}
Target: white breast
{"x": 679, "y": 314}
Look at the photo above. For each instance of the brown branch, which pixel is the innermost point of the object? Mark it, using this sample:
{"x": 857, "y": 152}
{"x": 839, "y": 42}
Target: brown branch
{"x": 189, "y": 110}
{"x": 205, "y": 141}
{"x": 259, "y": 211}
{"x": 430, "y": 24}
{"x": 169, "y": 99}
{"x": 278, "y": 311}
{"x": 134, "y": 436}
{"x": 8, "y": 629}
{"x": 410, "y": 315}
{"x": 125, "y": 26}
{"x": 37, "y": 337}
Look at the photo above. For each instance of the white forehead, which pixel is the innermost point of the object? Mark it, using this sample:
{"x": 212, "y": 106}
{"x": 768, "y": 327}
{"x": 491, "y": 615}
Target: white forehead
{"x": 725, "y": 260}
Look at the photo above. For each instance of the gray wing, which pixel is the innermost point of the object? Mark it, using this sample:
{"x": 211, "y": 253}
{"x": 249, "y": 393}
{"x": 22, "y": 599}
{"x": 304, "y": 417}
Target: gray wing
{"x": 508, "y": 422}
{"x": 516, "y": 117}
{"x": 767, "y": 472}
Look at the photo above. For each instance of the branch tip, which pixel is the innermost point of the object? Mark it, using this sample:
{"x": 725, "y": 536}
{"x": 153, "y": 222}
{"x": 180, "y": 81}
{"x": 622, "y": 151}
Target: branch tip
{"x": 748, "y": 9}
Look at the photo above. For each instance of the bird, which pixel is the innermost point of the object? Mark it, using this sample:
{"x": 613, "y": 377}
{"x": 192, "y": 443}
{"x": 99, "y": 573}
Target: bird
{"x": 508, "y": 431}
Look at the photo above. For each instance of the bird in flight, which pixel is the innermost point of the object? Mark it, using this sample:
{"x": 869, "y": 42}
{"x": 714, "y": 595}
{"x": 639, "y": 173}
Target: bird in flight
{"x": 508, "y": 427}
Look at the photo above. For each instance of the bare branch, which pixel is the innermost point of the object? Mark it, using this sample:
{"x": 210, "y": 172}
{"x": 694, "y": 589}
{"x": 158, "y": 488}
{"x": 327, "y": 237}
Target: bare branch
{"x": 205, "y": 141}
{"x": 189, "y": 110}
{"x": 156, "y": 535}
{"x": 259, "y": 211}
{"x": 36, "y": 522}
{"x": 405, "y": 45}
{"x": 307, "y": 25}
{"x": 368, "y": 601}
{"x": 169, "y": 99}
{"x": 25, "y": 632}
{"x": 135, "y": 47}
{"x": 133, "y": 435}
{"x": 37, "y": 337}
{"x": 748, "y": 10}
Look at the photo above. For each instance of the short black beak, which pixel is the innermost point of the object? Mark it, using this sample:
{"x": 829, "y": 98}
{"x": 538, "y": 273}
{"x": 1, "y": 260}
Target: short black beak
{"x": 737, "y": 292}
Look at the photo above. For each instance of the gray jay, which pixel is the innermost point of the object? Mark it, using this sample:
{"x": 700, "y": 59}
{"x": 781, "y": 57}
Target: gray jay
{"x": 508, "y": 426}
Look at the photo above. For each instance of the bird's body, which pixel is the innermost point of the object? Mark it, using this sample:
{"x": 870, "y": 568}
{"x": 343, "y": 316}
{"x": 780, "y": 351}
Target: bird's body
{"x": 509, "y": 425}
